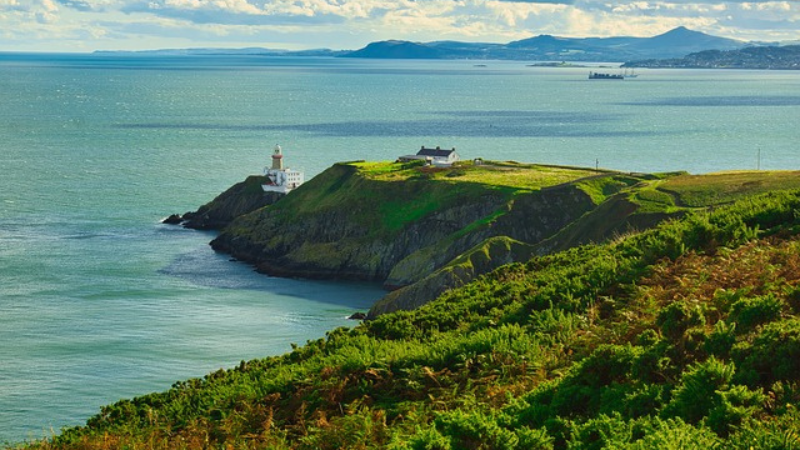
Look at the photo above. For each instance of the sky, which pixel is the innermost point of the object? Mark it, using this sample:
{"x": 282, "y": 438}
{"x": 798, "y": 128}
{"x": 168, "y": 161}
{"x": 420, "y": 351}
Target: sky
{"x": 88, "y": 25}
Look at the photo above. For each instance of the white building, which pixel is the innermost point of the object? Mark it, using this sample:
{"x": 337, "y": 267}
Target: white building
{"x": 436, "y": 156}
{"x": 280, "y": 179}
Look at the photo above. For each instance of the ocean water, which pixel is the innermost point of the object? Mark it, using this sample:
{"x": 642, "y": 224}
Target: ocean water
{"x": 99, "y": 301}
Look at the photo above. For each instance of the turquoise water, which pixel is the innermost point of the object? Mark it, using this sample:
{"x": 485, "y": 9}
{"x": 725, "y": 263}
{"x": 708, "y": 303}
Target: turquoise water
{"x": 98, "y": 301}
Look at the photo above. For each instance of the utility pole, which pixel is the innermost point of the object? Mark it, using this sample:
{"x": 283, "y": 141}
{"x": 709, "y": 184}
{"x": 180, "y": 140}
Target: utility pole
{"x": 597, "y": 164}
{"x": 758, "y": 165}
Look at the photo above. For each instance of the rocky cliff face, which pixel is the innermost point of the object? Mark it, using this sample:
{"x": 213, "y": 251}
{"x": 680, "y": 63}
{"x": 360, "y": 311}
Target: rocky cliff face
{"x": 421, "y": 233}
{"x": 240, "y": 199}
{"x": 571, "y": 220}
{"x": 527, "y": 217}
{"x": 345, "y": 239}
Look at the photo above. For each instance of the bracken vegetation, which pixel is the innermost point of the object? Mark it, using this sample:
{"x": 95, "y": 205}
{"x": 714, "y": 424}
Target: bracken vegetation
{"x": 683, "y": 336}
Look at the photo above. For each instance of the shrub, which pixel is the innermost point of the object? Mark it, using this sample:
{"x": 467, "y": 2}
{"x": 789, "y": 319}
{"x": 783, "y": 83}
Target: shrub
{"x": 747, "y": 313}
{"x": 705, "y": 393}
{"x": 698, "y": 391}
{"x": 677, "y": 317}
{"x": 773, "y": 356}
{"x": 781, "y": 433}
{"x": 673, "y": 434}
{"x": 600, "y": 433}
{"x": 720, "y": 342}
{"x": 534, "y": 439}
{"x": 475, "y": 431}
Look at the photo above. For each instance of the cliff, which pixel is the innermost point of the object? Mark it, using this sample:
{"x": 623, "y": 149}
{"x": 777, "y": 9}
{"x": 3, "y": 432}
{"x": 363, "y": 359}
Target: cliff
{"x": 422, "y": 230}
{"x": 238, "y": 200}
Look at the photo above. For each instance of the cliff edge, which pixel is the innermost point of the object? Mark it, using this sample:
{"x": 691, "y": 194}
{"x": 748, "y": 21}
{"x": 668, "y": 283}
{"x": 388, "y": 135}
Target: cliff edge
{"x": 420, "y": 230}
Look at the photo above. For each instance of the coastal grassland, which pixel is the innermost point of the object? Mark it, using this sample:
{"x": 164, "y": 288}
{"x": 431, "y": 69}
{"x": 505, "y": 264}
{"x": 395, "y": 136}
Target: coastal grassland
{"x": 383, "y": 196}
{"x": 683, "y": 336}
{"x": 674, "y": 192}
{"x": 650, "y": 199}
{"x": 396, "y": 194}
{"x": 725, "y": 187}
{"x": 600, "y": 188}
{"x": 507, "y": 174}
{"x": 465, "y": 179}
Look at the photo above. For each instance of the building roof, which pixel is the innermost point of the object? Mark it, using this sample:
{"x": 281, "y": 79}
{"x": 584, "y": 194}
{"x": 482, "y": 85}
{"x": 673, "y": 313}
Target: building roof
{"x": 435, "y": 152}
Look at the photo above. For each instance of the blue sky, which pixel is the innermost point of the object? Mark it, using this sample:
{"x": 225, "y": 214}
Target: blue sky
{"x": 86, "y": 25}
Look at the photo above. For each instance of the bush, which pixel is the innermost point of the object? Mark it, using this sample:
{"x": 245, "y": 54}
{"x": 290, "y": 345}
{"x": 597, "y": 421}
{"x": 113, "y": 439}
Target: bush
{"x": 748, "y": 313}
{"x": 698, "y": 391}
{"x": 475, "y": 431}
{"x": 705, "y": 393}
{"x": 782, "y": 433}
{"x": 773, "y": 356}
{"x": 674, "y": 434}
{"x": 720, "y": 342}
{"x": 677, "y": 317}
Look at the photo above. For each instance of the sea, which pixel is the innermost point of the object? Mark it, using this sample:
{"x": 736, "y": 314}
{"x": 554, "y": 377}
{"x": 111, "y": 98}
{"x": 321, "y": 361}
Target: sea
{"x": 99, "y": 301}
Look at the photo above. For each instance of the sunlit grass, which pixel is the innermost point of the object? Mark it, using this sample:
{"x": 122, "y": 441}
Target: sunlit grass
{"x": 726, "y": 187}
{"x": 503, "y": 174}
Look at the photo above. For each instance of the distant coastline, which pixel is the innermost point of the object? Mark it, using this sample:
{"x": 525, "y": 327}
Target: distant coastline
{"x": 552, "y": 51}
{"x": 759, "y": 58}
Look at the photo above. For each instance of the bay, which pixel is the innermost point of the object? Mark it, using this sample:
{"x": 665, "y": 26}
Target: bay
{"x": 99, "y": 301}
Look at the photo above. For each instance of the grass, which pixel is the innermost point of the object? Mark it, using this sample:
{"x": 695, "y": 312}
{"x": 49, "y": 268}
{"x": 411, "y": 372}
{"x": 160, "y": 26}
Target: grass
{"x": 651, "y": 200}
{"x": 725, "y": 187}
{"x": 601, "y": 187}
{"x": 402, "y": 193}
{"x": 493, "y": 173}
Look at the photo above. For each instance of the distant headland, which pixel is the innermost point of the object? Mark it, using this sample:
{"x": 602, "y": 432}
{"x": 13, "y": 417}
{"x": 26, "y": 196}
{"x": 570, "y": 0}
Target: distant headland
{"x": 676, "y": 43}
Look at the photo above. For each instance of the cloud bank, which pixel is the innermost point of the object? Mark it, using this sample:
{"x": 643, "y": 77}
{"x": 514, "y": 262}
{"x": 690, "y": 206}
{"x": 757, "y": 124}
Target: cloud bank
{"x": 83, "y": 25}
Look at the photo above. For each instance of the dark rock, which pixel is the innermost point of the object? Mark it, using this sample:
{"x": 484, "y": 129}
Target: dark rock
{"x": 358, "y": 316}
{"x": 240, "y": 199}
{"x": 173, "y": 219}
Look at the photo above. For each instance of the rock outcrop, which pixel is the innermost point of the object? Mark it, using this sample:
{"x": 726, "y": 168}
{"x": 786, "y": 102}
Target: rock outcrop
{"x": 240, "y": 199}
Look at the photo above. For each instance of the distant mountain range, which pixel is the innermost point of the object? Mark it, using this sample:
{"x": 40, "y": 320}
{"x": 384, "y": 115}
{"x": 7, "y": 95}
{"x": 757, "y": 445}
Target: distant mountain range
{"x": 673, "y": 44}
{"x": 676, "y": 43}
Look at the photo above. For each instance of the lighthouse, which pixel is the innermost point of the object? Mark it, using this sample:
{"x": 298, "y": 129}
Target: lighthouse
{"x": 280, "y": 178}
{"x": 277, "y": 158}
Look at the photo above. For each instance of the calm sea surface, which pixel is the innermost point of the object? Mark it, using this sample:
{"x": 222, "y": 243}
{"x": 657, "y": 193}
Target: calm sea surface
{"x": 98, "y": 301}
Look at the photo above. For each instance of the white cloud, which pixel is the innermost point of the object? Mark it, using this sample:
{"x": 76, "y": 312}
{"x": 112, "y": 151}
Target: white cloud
{"x": 354, "y": 23}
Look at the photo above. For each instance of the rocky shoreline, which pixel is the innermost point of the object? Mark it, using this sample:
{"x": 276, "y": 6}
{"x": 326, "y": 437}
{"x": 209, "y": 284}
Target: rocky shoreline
{"x": 242, "y": 198}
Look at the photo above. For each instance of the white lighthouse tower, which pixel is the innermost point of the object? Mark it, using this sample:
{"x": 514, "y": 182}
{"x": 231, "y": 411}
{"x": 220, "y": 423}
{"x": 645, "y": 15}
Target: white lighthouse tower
{"x": 280, "y": 179}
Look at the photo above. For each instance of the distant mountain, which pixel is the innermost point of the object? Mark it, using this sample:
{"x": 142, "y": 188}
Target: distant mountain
{"x": 400, "y": 50}
{"x": 773, "y": 57}
{"x": 672, "y": 45}
{"x": 675, "y": 43}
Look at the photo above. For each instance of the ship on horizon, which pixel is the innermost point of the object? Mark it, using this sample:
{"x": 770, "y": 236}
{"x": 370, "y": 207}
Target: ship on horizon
{"x": 605, "y": 76}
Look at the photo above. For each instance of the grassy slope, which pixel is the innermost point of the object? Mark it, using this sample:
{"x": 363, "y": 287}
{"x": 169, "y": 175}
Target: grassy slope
{"x": 726, "y": 187}
{"x": 685, "y": 336}
{"x": 334, "y": 220}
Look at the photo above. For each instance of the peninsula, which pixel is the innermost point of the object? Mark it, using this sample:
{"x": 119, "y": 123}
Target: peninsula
{"x": 423, "y": 229}
{"x": 615, "y": 328}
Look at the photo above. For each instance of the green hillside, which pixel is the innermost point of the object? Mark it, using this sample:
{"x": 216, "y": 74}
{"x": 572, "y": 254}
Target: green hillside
{"x": 422, "y": 230}
{"x": 683, "y": 336}
{"x": 398, "y": 222}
